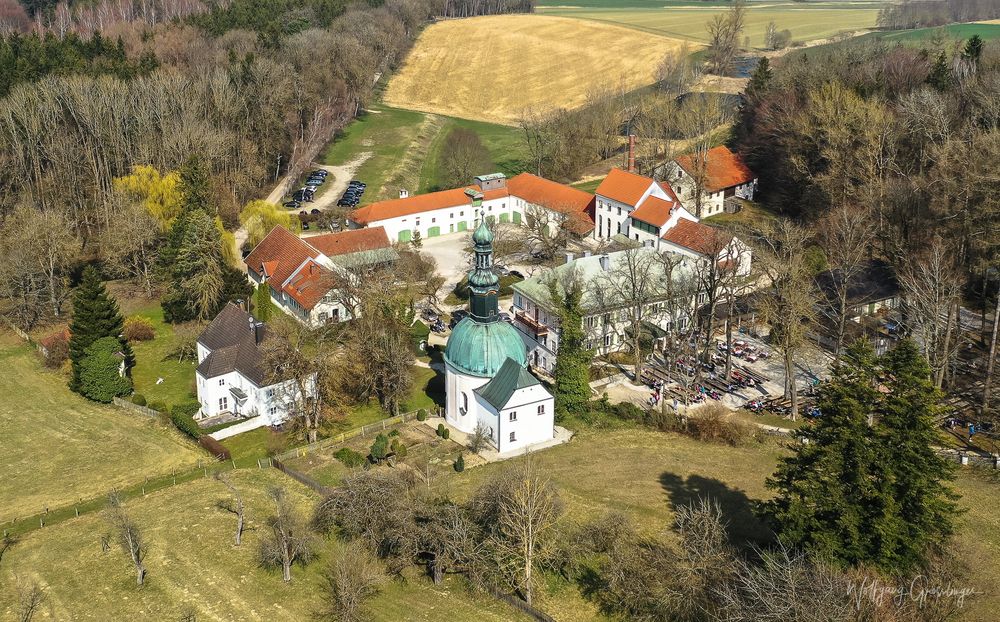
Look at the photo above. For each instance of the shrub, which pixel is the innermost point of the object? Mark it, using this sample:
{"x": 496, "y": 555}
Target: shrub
{"x": 446, "y": 434}
{"x": 187, "y": 408}
{"x": 185, "y": 424}
{"x": 349, "y": 458}
{"x": 158, "y": 406}
{"x": 715, "y": 423}
{"x": 441, "y": 430}
{"x": 460, "y": 463}
{"x": 100, "y": 371}
{"x": 397, "y": 447}
{"x": 57, "y": 348}
{"x": 421, "y": 415}
{"x": 393, "y": 433}
{"x": 138, "y": 399}
{"x": 215, "y": 448}
{"x": 380, "y": 448}
{"x": 138, "y": 328}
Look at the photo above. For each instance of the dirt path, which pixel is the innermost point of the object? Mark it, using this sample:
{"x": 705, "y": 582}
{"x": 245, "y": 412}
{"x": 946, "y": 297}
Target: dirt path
{"x": 339, "y": 177}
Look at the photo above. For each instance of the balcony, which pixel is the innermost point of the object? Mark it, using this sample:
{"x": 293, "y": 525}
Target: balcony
{"x": 534, "y": 326}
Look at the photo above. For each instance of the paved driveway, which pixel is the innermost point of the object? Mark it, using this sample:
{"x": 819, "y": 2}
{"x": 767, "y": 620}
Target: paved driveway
{"x": 453, "y": 262}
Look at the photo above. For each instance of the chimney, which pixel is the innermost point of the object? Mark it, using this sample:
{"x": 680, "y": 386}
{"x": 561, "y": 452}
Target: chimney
{"x": 404, "y": 193}
{"x": 631, "y": 153}
{"x": 258, "y": 332}
{"x": 605, "y": 262}
{"x": 569, "y": 257}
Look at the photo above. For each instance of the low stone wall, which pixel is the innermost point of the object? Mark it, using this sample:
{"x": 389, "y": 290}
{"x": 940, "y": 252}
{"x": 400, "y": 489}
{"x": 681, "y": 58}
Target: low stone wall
{"x": 135, "y": 408}
{"x": 239, "y": 428}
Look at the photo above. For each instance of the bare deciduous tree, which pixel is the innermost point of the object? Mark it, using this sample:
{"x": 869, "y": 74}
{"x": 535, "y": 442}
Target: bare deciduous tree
{"x": 724, "y": 30}
{"x": 300, "y": 359}
{"x": 289, "y": 540}
{"x": 128, "y": 534}
{"x": 234, "y": 506}
{"x": 353, "y": 578}
{"x": 29, "y": 600}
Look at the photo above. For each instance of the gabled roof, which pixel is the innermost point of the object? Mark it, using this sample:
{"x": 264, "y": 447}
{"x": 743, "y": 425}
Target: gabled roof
{"x": 511, "y": 377}
{"x": 874, "y": 282}
{"x": 350, "y": 241}
{"x": 308, "y": 284}
{"x": 232, "y": 339}
{"x": 654, "y": 211}
{"x": 279, "y": 254}
{"x": 418, "y": 203}
{"x": 551, "y": 195}
{"x": 695, "y": 236}
{"x": 624, "y": 187}
{"x": 724, "y": 169}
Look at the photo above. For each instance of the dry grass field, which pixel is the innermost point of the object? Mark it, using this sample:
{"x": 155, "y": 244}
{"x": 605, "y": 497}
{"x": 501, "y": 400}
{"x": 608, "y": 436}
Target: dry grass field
{"x": 58, "y": 448}
{"x": 193, "y": 567}
{"x": 494, "y": 68}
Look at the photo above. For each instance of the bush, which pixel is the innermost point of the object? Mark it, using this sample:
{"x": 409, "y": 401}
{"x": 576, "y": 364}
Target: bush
{"x": 57, "y": 349}
{"x": 393, "y": 433}
{"x": 101, "y": 379}
{"x": 215, "y": 448}
{"x": 157, "y": 405}
{"x": 380, "y": 448}
{"x": 460, "y": 463}
{"x": 441, "y": 430}
{"x": 397, "y": 447}
{"x": 715, "y": 423}
{"x": 185, "y": 424}
{"x": 421, "y": 415}
{"x": 349, "y": 458}
{"x": 187, "y": 408}
{"x": 138, "y": 328}
{"x": 446, "y": 434}
{"x": 138, "y": 399}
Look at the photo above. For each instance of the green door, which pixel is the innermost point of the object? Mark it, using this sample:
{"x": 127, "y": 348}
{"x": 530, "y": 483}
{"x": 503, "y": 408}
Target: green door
{"x": 405, "y": 235}
{"x": 517, "y": 218}
{"x": 451, "y": 228}
{"x": 504, "y": 217}
{"x": 463, "y": 226}
{"x": 433, "y": 232}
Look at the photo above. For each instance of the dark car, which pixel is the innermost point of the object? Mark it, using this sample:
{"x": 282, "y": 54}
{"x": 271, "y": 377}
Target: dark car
{"x": 456, "y": 317}
{"x": 299, "y": 195}
{"x": 506, "y": 317}
{"x": 345, "y": 202}
{"x": 293, "y": 204}
{"x": 360, "y": 184}
{"x": 314, "y": 211}
{"x": 438, "y": 326}
{"x": 517, "y": 274}
{"x": 319, "y": 173}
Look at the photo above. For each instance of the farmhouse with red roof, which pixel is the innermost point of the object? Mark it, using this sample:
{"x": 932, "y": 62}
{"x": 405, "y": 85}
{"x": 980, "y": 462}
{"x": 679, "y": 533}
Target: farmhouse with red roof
{"x": 503, "y": 200}
{"x": 719, "y": 173}
{"x": 303, "y": 274}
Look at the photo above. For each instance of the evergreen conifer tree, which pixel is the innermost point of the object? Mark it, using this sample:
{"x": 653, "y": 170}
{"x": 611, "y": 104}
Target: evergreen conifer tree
{"x": 760, "y": 78}
{"x": 95, "y": 316}
{"x": 572, "y": 368}
{"x": 940, "y": 75}
{"x": 100, "y": 377}
{"x": 196, "y": 187}
{"x": 973, "y": 48}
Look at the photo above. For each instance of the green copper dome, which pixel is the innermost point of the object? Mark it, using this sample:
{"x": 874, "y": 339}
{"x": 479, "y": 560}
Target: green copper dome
{"x": 480, "y": 349}
{"x": 482, "y": 235}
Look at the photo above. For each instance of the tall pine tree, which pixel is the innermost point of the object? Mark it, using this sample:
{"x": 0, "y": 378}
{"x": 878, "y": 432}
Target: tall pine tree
{"x": 572, "y": 369}
{"x": 867, "y": 486}
{"x": 95, "y": 316}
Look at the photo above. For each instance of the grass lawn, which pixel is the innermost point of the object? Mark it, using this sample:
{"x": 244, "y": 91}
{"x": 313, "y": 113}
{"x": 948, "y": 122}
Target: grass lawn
{"x": 192, "y": 565}
{"x": 589, "y": 186}
{"x": 405, "y": 147}
{"x": 59, "y": 448}
{"x": 688, "y": 20}
{"x": 154, "y": 360}
{"x": 752, "y": 214}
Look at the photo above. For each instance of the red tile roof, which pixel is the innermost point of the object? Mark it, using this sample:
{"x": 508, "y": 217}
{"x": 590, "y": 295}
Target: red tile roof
{"x": 654, "y": 210}
{"x": 624, "y": 187}
{"x": 724, "y": 169}
{"x": 700, "y": 238}
{"x": 576, "y": 204}
{"x": 350, "y": 241}
{"x": 279, "y": 254}
{"x": 394, "y": 208}
{"x": 309, "y": 284}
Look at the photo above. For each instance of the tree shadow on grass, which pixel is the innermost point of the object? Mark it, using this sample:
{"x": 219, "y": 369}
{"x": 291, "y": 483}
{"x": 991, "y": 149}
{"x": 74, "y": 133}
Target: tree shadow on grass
{"x": 743, "y": 528}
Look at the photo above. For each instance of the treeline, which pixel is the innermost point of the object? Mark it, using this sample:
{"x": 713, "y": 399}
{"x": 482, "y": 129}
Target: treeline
{"x": 28, "y": 58}
{"x": 470, "y": 8}
{"x": 924, "y": 13}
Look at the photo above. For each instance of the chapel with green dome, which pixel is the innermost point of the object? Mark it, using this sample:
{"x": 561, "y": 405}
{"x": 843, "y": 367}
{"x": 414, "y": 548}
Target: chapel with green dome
{"x": 486, "y": 358}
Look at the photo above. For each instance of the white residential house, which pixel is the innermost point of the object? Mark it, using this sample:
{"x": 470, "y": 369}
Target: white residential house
{"x": 303, "y": 274}
{"x": 230, "y": 378}
{"x": 724, "y": 175}
{"x": 688, "y": 244}
{"x": 457, "y": 210}
{"x": 621, "y": 194}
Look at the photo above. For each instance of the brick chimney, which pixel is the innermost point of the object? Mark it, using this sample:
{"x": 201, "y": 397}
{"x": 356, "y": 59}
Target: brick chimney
{"x": 631, "y": 153}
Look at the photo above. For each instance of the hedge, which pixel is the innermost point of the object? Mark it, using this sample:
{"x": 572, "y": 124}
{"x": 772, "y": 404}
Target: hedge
{"x": 214, "y": 447}
{"x": 349, "y": 457}
{"x": 185, "y": 423}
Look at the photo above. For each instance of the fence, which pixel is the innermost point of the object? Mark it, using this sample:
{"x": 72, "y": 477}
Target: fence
{"x": 239, "y": 428}
{"x": 365, "y": 430}
{"x": 141, "y": 410}
{"x": 517, "y": 603}
{"x": 302, "y": 478}
{"x": 23, "y": 335}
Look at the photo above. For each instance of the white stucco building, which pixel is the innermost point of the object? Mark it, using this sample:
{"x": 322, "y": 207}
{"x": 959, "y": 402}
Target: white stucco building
{"x": 303, "y": 274}
{"x": 487, "y": 382}
{"x": 230, "y": 378}
{"x": 500, "y": 199}
{"x": 723, "y": 174}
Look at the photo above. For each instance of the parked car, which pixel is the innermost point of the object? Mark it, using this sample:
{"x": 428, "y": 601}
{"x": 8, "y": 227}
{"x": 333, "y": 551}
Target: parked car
{"x": 320, "y": 171}
{"x": 299, "y": 195}
{"x": 293, "y": 204}
{"x": 438, "y": 327}
{"x": 360, "y": 184}
{"x": 506, "y": 317}
{"x": 516, "y": 274}
{"x": 344, "y": 202}
{"x": 456, "y": 317}
{"x": 314, "y": 211}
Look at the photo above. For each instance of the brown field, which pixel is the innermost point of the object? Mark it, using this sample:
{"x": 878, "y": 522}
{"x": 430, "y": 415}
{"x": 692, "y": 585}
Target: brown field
{"x": 494, "y": 68}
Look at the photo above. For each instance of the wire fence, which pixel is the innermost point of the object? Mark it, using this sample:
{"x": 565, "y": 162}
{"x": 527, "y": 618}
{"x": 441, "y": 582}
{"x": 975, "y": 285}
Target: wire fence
{"x": 366, "y": 430}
